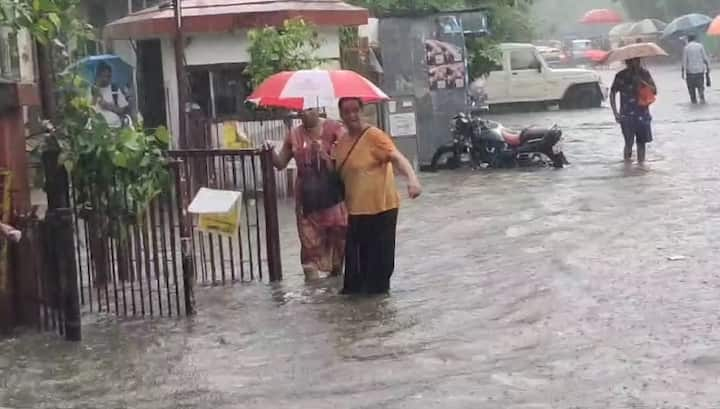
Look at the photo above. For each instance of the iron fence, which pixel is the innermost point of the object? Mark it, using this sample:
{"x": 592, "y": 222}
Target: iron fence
{"x": 146, "y": 263}
{"x": 254, "y": 252}
{"x": 130, "y": 263}
{"x": 211, "y": 135}
{"x": 45, "y": 283}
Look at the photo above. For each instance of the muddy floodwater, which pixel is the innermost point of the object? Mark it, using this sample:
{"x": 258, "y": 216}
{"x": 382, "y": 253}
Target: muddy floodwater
{"x": 597, "y": 286}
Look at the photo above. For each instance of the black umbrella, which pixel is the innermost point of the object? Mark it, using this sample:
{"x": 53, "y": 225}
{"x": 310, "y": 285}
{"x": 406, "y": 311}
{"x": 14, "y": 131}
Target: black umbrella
{"x": 689, "y": 23}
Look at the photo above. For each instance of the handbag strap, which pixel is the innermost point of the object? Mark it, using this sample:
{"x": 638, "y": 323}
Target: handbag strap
{"x": 342, "y": 165}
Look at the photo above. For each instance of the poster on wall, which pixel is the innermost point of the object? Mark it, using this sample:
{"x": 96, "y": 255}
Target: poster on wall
{"x": 442, "y": 52}
{"x": 447, "y": 76}
{"x": 445, "y": 56}
{"x": 403, "y": 124}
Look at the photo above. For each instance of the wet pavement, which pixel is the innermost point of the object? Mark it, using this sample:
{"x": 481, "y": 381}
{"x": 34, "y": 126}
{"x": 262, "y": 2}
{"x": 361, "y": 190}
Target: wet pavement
{"x": 592, "y": 287}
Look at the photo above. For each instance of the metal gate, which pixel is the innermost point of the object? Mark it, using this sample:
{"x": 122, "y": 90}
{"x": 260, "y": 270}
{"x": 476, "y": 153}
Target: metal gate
{"x": 45, "y": 284}
{"x": 149, "y": 266}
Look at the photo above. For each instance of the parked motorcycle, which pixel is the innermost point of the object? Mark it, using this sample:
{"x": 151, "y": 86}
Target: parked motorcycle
{"x": 477, "y": 141}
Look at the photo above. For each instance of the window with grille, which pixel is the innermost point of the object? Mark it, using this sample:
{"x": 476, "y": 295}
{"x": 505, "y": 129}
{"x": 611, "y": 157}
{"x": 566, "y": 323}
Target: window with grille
{"x": 9, "y": 55}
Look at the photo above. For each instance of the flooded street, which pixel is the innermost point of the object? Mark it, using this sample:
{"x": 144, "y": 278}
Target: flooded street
{"x": 596, "y": 286}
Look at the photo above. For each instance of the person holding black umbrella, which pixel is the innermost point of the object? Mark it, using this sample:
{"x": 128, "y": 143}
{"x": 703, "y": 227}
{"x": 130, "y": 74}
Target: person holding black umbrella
{"x": 695, "y": 68}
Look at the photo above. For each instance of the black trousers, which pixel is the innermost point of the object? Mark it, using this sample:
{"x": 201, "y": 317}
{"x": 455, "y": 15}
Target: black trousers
{"x": 696, "y": 86}
{"x": 370, "y": 253}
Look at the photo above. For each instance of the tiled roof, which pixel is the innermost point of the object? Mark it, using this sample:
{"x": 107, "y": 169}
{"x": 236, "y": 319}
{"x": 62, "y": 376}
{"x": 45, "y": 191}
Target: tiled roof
{"x": 213, "y": 16}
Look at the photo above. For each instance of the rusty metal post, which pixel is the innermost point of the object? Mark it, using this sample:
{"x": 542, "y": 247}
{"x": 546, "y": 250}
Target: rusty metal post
{"x": 272, "y": 225}
{"x": 61, "y": 239}
{"x": 188, "y": 269}
{"x": 184, "y": 141}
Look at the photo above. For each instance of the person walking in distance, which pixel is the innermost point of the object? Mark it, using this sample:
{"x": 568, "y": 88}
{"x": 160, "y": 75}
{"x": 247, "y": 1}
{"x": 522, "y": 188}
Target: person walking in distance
{"x": 637, "y": 91}
{"x": 695, "y": 64}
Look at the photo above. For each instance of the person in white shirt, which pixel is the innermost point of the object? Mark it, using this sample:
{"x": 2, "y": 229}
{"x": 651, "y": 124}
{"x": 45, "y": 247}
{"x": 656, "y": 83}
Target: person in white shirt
{"x": 108, "y": 99}
{"x": 695, "y": 65}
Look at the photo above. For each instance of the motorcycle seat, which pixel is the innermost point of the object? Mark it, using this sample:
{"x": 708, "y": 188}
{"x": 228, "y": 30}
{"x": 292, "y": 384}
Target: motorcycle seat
{"x": 512, "y": 138}
{"x": 528, "y": 134}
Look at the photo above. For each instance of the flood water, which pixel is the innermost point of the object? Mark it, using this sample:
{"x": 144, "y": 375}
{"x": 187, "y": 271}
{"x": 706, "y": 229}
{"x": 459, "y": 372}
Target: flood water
{"x": 595, "y": 286}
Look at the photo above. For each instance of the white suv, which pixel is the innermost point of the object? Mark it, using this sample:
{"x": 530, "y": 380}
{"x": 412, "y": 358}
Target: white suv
{"x": 525, "y": 77}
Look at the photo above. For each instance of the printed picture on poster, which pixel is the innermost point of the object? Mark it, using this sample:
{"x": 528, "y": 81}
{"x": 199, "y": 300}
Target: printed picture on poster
{"x": 441, "y": 52}
{"x": 447, "y": 76}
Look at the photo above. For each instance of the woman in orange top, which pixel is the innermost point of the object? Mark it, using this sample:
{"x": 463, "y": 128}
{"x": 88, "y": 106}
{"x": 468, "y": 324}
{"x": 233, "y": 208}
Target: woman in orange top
{"x": 372, "y": 201}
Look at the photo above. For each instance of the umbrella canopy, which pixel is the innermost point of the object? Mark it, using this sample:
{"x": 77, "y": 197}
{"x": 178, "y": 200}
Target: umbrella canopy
{"x": 298, "y": 90}
{"x": 121, "y": 71}
{"x": 601, "y": 16}
{"x": 596, "y": 55}
{"x": 638, "y": 50}
{"x": 621, "y": 30}
{"x": 714, "y": 29}
{"x": 689, "y": 23}
{"x": 649, "y": 26}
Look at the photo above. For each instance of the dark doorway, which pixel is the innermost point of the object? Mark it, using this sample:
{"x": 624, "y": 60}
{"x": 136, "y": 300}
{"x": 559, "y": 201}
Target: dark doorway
{"x": 151, "y": 84}
{"x": 200, "y": 90}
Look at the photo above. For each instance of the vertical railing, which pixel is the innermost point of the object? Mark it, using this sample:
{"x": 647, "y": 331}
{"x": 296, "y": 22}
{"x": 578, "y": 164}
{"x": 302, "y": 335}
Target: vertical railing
{"x": 130, "y": 260}
{"x": 255, "y": 250}
{"x": 60, "y": 242}
{"x": 46, "y": 278}
{"x": 272, "y": 227}
{"x": 185, "y": 230}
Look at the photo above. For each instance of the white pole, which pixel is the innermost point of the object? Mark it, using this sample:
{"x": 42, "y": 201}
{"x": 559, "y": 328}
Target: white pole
{"x": 213, "y": 109}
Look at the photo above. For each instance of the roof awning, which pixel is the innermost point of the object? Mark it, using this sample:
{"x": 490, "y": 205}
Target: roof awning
{"x": 218, "y": 16}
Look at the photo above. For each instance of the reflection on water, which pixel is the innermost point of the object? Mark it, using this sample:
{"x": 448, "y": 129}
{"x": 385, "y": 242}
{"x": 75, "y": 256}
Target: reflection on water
{"x": 538, "y": 289}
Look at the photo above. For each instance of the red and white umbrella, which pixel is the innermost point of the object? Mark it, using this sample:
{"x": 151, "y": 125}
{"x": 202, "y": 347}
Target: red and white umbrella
{"x": 298, "y": 90}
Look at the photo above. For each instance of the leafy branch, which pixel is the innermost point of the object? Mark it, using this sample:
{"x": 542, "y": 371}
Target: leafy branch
{"x": 272, "y": 50}
{"x": 97, "y": 157}
{"x": 47, "y": 21}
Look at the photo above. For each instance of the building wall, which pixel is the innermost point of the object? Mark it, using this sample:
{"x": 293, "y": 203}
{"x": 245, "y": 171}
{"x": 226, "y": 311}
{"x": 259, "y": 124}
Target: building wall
{"x": 406, "y": 78}
{"x": 207, "y": 49}
{"x": 231, "y": 48}
{"x": 370, "y": 31}
{"x": 125, "y": 49}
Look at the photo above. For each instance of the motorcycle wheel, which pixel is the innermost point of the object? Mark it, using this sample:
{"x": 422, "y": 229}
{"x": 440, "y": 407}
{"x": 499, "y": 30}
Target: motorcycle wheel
{"x": 445, "y": 159}
{"x": 559, "y": 160}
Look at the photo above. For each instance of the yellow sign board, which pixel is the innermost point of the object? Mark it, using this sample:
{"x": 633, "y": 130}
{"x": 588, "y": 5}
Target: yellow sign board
{"x": 225, "y": 224}
{"x": 218, "y": 211}
{"x": 234, "y": 137}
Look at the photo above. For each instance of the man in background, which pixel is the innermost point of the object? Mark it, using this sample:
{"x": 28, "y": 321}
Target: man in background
{"x": 695, "y": 64}
{"x": 108, "y": 99}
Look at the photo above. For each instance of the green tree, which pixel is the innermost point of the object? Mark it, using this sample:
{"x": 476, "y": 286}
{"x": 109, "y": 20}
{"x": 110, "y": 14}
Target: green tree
{"x": 46, "y": 20}
{"x": 507, "y": 24}
{"x": 115, "y": 172}
{"x": 288, "y": 48}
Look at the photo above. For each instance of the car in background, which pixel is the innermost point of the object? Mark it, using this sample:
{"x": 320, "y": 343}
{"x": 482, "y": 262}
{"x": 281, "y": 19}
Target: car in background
{"x": 579, "y": 49}
{"x": 523, "y": 76}
{"x": 553, "y": 56}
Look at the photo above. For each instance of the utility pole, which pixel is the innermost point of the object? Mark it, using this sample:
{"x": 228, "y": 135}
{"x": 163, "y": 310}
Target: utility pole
{"x": 183, "y": 141}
